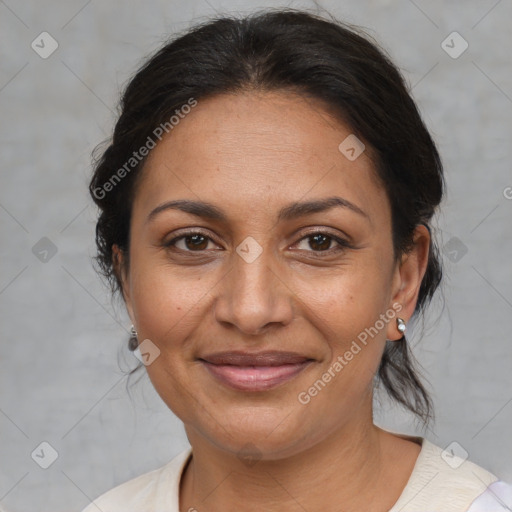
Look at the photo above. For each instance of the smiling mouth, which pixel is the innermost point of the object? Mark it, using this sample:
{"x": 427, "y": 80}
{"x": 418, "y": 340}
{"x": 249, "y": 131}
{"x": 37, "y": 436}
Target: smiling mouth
{"x": 255, "y": 372}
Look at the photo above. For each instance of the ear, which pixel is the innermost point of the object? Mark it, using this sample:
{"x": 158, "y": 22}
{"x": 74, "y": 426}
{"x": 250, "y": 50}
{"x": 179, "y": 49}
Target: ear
{"x": 119, "y": 264}
{"x": 407, "y": 279}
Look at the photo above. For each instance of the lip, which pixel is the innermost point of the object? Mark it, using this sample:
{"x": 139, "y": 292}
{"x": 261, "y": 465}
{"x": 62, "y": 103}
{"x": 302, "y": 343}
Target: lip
{"x": 255, "y": 371}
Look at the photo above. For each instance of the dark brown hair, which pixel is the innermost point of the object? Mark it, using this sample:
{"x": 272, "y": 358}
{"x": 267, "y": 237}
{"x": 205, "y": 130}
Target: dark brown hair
{"x": 292, "y": 50}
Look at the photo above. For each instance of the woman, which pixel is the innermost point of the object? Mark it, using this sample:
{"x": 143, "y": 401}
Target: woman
{"x": 264, "y": 211}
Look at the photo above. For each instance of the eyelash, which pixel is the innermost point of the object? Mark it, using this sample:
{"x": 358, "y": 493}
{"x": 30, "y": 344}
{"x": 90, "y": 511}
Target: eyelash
{"x": 343, "y": 244}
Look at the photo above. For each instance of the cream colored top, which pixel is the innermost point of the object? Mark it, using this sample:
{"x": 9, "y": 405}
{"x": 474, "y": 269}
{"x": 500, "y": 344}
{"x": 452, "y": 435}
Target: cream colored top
{"x": 439, "y": 482}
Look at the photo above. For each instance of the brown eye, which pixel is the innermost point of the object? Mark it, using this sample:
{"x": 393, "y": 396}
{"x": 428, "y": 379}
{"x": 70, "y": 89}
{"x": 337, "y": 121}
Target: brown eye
{"x": 322, "y": 242}
{"x": 190, "y": 242}
{"x": 193, "y": 242}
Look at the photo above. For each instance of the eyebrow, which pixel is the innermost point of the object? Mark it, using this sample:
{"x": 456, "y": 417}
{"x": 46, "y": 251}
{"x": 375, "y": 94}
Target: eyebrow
{"x": 292, "y": 211}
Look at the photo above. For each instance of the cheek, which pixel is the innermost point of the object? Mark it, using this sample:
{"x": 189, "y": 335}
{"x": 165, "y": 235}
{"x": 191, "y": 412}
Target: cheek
{"x": 167, "y": 312}
{"x": 166, "y": 301}
{"x": 347, "y": 301}
{"x": 346, "y": 315}
{"x": 346, "y": 309}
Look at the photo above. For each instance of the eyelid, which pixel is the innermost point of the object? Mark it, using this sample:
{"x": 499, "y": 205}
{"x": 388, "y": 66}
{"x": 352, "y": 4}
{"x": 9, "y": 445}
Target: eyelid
{"x": 184, "y": 232}
{"x": 343, "y": 237}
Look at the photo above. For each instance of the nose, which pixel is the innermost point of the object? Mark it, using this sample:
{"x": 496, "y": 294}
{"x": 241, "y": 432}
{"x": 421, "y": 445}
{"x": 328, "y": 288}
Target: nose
{"x": 254, "y": 296}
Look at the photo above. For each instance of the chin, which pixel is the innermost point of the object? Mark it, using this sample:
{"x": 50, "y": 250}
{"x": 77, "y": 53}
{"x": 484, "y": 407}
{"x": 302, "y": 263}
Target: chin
{"x": 257, "y": 433}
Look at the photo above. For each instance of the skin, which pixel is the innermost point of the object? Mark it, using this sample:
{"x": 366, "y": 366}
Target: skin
{"x": 251, "y": 154}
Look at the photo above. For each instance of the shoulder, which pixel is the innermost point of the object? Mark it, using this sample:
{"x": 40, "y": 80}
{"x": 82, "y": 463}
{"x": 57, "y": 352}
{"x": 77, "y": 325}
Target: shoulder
{"x": 443, "y": 481}
{"x": 496, "y": 498}
{"x": 148, "y": 490}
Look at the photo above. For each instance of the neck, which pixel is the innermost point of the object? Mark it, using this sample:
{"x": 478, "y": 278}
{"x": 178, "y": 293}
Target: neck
{"x": 345, "y": 471}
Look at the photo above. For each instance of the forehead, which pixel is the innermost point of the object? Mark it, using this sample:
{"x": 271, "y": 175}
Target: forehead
{"x": 258, "y": 150}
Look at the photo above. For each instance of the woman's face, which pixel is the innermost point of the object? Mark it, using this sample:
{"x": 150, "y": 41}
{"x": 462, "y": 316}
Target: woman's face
{"x": 264, "y": 274}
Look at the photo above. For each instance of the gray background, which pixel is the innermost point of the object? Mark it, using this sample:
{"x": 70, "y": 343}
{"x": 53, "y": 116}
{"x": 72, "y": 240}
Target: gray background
{"x": 62, "y": 339}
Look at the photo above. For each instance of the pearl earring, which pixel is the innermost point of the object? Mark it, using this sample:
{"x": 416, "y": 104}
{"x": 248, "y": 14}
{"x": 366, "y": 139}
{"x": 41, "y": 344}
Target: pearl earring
{"x": 400, "y": 325}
